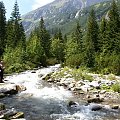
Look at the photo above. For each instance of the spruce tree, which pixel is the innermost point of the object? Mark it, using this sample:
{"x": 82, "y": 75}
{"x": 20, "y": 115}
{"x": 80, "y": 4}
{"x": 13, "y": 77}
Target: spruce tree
{"x": 15, "y": 13}
{"x": 58, "y": 35}
{"x": 77, "y": 37}
{"x": 15, "y": 42}
{"x": 91, "y": 40}
{"x": 114, "y": 28}
{"x": 2, "y": 27}
{"x": 102, "y": 34}
{"x": 15, "y": 30}
{"x": 44, "y": 37}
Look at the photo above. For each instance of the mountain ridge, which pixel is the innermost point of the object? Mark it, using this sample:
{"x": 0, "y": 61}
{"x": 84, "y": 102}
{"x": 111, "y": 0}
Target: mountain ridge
{"x": 57, "y": 13}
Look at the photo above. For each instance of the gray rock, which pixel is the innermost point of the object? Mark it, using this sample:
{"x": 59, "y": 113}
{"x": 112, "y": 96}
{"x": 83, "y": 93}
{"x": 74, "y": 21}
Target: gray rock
{"x": 18, "y": 115}
{"x": 95, "y": 84}
{"x": 115, "y": 106}
{"x": 2, "y": 106}
{"x": 102, "y": 91}
{"x": 95, "y": 100}
{"x": 95, "y": 107}
{"x": 71, "y": 103}
{"x": 2, "y": 95}
{"x": 85, "y": 88}
{"x": 20, "y": 88}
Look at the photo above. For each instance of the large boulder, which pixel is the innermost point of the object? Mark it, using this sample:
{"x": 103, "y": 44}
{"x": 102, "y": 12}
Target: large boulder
{"x": 20, "y": 88}
{"x": 18, "y": 115}
{"x": 2, "y": 95}
{"x": 11, "y": 92}
{"x": 115, "y": 106}
{"x": 2, "y": 106}
{"x": 95, "y": 107}
{"x": 8, "y": 89}
{"x": 95, "y": 84}
{"x": 95, "y": 100}
{"x": 72, "y": 103}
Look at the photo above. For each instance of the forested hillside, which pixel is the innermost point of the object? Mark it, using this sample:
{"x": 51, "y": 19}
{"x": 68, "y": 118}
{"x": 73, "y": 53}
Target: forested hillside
{"x": 96, "y": 47}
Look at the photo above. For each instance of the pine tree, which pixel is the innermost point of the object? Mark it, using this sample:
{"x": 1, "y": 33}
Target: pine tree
{"x": 15, "y": 30}
{"x": 2, "y": 27}
{"x": 58, "y": 35}
{"x": 15, "y": 43}
{"x": 10, "y": 34}
{"x": 15, "y": 13}
{"x": 91, "y": 40}
{"x": 108, "y": 61}
{"x": 114, "y": 28}
{"x": 44, "y": 37}
{"x": 114, "y": 18}
{"x": 77, "y": 37}
{"x": 102, "y": 35}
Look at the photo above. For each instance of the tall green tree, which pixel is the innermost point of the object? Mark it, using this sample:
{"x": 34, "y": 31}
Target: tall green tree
{"x": 74, "y": 47}
{"x": 44, "y": 37}
{"x": 57, "y": 49}
{"x": 103, "y": 30}
{"x": 15, "y": 42}
{"x": 91, "y": 45}
{"x": 15, "y": 30}
{"x": 35, "y": 52}
{"x": 58, "y": 35}
{"x": 114, "y": 28}
{"x": 15, "y": 15}
{"x": 2, "y": 27}
{"x": 77, "y": 37}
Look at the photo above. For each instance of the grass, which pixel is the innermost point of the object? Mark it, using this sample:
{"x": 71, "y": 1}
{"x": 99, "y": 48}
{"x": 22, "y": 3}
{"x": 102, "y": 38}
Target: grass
{"x": 116, "y": 87}
{"x": 77, "y": 74}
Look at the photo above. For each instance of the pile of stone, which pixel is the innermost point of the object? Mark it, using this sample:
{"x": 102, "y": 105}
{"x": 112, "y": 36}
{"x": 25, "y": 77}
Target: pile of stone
{"x": 10, "y": 113}
{"x": 7, "y": 89}
{"x": 90, "y": 91}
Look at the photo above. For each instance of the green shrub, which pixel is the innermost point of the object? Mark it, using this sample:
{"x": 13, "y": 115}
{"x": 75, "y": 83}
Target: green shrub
{"x": 52, "y": 61}
{"x": 116, "y": 87}
{"x": 105, "y": 87}
{"x": 111, "y": 77}
{"x": 87, "y": 77}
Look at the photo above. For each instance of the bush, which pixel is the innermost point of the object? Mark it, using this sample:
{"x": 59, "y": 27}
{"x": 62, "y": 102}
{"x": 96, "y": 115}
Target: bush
{"x": 52, "y": 61}
{"x": 116, "y": 87}
{"x": 74, "y": 60}
{"x": 87, "y": 77}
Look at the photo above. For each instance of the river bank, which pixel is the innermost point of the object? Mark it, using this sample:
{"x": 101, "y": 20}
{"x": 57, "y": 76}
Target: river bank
{"x": 92, "y": 88}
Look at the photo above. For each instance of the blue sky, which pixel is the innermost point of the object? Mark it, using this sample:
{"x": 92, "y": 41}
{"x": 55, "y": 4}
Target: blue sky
{"x": 25, "y": 6}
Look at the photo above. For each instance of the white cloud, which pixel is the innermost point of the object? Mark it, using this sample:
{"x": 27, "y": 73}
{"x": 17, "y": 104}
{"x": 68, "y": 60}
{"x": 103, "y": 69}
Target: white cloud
{"x": 39, "y": 3}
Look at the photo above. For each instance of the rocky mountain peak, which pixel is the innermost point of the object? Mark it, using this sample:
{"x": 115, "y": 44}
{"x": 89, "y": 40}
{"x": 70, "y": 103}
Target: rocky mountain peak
{"x": 56, "y": 13}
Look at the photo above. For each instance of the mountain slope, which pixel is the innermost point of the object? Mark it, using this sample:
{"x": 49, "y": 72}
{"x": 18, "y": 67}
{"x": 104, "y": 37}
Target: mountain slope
{"x": 60, "y": 13}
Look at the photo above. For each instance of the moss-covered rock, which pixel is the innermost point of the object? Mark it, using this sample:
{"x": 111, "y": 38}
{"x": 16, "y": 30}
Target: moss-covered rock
{"x": 2, "y": 106}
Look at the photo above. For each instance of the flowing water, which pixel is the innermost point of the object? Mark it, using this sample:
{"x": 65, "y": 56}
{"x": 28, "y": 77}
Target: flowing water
{"x": 44, "y": 101}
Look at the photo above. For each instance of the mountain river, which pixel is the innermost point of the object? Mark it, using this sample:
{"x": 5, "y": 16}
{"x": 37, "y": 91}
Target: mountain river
{"x": 45, "y": 101}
